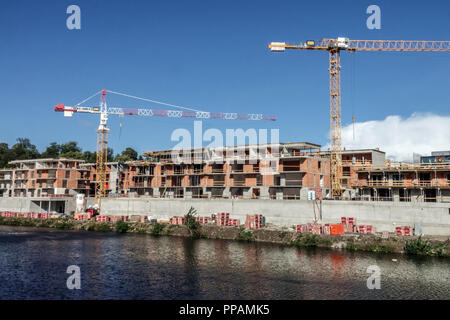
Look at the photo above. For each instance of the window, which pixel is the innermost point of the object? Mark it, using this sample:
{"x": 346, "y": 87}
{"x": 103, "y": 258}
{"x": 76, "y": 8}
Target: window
{"x": 67, "y": 174}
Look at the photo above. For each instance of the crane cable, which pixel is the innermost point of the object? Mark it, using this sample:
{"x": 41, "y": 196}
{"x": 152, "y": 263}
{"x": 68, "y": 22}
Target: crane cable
{"x": 154, "y": 101}
{"x": 89, "y": 98}
{"x": 353, "y": 92}
{"x": 139, "y": 98}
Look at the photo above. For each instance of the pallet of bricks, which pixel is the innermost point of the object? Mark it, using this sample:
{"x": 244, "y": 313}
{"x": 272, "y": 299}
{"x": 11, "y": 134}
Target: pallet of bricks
{"x": 314, "y": 228}
{"x": 202, "y": 220}
{"x": 403, "y": 231}
{"x": 351, "y": 226}
{"x": 30, "y": 215}
{"x": 254, "y": 221}
{"x": 118, "y": 218}
{"x": 102, "y": 218}
{"x": 176, "y": 220}
{"x": 223, "y": 219}
{"x": 317, "y": 228}
{"x": 8, "y": 214}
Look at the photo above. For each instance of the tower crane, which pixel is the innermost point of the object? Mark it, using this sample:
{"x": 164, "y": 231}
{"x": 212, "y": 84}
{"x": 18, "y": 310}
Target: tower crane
{"x": 334, "y": 46}
{"x": 102, "y": 132}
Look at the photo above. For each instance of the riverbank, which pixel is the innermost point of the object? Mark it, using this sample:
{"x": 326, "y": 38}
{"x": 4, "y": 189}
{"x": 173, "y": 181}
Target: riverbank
{"x": 428, "y": 246}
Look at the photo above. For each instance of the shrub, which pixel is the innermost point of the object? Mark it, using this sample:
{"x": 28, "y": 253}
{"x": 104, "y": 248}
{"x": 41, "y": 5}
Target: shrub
{"x": 64, "y": 224}
{"x": 245, "y": 235}
{"x": 122, "y": 226}
{"x": 102, "y": 227}
{"x": 191, "y": 223}
{"x": 425, "y": 247}
{"x": 157, "y": 229}
{"x": 305, "y": 240}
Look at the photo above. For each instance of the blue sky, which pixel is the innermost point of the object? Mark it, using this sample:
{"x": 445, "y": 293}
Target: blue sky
{"x": 212, "y": 55}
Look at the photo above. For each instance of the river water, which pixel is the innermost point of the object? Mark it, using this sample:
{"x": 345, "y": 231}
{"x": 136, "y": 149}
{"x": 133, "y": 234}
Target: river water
{"x": 33, "y": 265}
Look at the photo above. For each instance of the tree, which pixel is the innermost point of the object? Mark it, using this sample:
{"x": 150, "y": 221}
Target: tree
{"x": 90, "y": 157}
{"x": 71, "y": 150}
{"x": 53, "y": 151}
{"x": 6, "y": 155}
{"x": 23, "y": 150}
{"x": 128, "y": 154}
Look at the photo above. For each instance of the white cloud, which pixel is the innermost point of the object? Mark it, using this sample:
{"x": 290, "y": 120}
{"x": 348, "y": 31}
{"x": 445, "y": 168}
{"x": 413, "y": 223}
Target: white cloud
{"x": 400, "y": 138}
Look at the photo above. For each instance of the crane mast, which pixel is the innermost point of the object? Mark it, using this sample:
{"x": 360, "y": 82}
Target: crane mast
{"x": 335, "y": 123}
{"x": 334, "y": 46}
{"x": 102, "y": 151}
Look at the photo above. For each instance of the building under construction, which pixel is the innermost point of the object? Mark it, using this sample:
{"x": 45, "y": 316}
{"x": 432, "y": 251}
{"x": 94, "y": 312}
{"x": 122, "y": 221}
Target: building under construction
{"x": 290, "y": 171}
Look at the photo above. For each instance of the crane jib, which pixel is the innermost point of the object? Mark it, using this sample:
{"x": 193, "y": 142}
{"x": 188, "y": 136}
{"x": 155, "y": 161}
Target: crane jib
{"x": 167, "y": 113}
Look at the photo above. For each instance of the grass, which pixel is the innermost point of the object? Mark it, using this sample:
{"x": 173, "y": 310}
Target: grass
{"x": 121, "y": 227}
{"x": 373, "y": 247}
{"x": 426, "y": 247}
{"x": 157, "y": 229}
{"x": 245, "y": 235}
{"x": 99, "y": 227}
{"x": 307, "y": 240}
{"x": 64, "y": 224}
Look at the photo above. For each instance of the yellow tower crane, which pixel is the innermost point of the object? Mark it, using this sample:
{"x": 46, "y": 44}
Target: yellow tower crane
{"x": 334, "y": 46}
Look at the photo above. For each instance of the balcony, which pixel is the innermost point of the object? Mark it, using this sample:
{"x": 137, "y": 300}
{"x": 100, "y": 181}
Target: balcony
{"x": 239, "y": 183}
{"x": 291, "y": 197}
{"x": 293, "y": 182}
{"x": 219, "y": 183}
{"x": 380, "y": 183}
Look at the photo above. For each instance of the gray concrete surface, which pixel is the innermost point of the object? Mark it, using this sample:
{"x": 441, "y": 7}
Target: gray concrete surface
{"x": 384, "y": 216}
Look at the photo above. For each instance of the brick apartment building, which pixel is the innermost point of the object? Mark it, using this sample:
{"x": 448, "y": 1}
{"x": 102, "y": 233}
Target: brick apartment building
{"x": 44, "y": 177}
{"x": 273, "y": 171}
{"x": 282, "y": 171}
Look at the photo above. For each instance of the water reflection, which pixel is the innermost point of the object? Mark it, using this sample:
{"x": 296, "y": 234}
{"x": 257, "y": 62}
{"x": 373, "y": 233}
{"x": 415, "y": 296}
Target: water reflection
{"x": 33, "y": 265}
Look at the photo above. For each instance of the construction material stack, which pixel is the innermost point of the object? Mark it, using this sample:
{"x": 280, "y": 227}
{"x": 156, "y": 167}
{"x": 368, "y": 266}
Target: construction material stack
{"x": 254, "y": 221}
{"x": 223, "y": 219}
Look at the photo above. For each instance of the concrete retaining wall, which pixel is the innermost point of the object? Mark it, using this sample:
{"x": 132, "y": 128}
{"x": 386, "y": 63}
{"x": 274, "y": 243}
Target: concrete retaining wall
{"x": 434, "y": 217}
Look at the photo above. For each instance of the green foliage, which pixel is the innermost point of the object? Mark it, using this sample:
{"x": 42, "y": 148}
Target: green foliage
{"x": 305, "y": 240}
{"x": 128, "y": 154}
{"x": 98, "y": 226}
{"x": 121, "y": 226}
{"x": 64, "y": 224}
{"x": 23, "y": 150}
{"x": 425, "y": 247}
{"x": 245, "y": 235}
{"x": 157, "y": 229}
{"x": 192, "y": 224}
{"x": 6, "y": 155}
{"x": 52, "y": 151}
{"x": 90, "y": 157}
{"x": 385, "y": 247}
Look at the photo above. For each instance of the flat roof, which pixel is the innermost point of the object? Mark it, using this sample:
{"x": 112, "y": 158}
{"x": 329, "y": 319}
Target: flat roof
{"x": 356, "y": 151}
{"x": 300, "y": 145}
{"x": 45, "y": 160}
